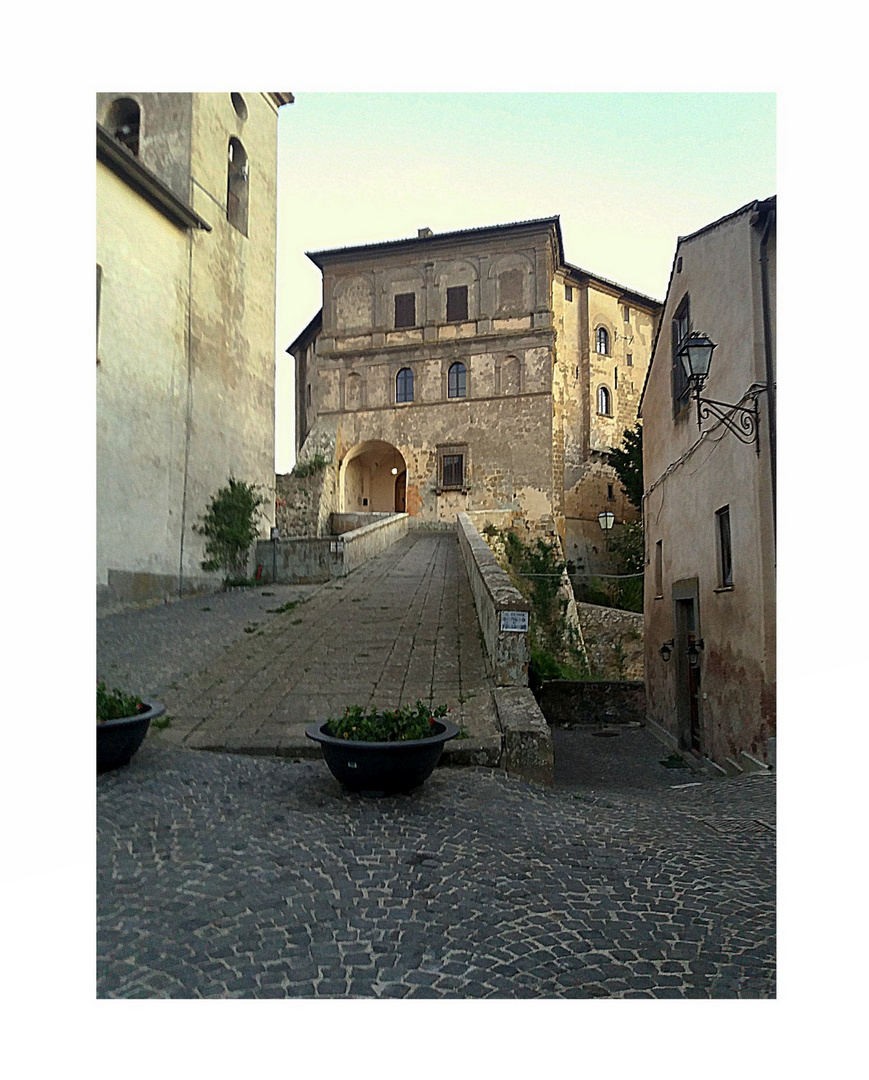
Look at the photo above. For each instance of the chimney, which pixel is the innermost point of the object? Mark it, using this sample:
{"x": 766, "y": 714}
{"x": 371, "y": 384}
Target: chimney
{"x": 422, "y": 233}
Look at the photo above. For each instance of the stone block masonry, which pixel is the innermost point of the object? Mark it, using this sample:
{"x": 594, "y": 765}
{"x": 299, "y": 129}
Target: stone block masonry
{"x": 317, "y": 559}
{"x": 495, "y": 596}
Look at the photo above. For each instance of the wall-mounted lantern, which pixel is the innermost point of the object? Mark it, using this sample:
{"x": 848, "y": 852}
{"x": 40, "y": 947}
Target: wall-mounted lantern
{"x": 666, "y": 650}
{"x": 742, "y": 420}
{"x": 693, "y": 652}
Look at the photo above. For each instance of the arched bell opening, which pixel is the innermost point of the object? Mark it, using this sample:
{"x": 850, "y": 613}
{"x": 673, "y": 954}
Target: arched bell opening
{"x": 373, "y": 479}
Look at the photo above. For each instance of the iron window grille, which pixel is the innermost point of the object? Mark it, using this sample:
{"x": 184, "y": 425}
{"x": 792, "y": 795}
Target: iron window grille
{"x": 452, "y": 470}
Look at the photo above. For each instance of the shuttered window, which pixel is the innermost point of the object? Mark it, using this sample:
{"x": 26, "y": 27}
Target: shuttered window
{"x": 405, "y": 309}
{"x": 457, "y": 303}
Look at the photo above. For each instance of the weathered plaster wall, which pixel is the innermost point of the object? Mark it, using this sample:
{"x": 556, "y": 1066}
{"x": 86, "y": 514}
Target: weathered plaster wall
{"x": 687, "y": 480}
{"x": 186, "y": 339}
{"x": 141, "y": 377}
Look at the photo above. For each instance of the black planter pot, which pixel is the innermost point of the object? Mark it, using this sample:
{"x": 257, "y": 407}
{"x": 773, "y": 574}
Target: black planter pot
{"x": 118, "y": 740}
{"x": 382, "y": 768}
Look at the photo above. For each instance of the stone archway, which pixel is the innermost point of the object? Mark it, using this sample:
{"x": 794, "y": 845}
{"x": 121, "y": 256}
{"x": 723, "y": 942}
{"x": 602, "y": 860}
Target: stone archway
{"x": 373, "y": 479}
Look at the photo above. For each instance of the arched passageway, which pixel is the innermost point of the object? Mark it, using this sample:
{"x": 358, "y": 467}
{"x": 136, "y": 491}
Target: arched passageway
{"x": 373, "y": 479}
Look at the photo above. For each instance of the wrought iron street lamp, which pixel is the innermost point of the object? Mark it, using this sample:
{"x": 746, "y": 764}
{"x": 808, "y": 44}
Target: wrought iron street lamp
{"x": 666, "y": 650}
{"x": 606, "y": 520}
{"x": 742, "y": 420}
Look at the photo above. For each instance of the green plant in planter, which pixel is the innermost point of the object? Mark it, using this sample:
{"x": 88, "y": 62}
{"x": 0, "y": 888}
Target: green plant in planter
{"x": 393, "y": 725}
{"x": 112, "y": 705}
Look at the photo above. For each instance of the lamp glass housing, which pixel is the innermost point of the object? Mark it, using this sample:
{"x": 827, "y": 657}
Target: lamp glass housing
{"x": 606, "y": 520}
{"x": 696, "y": 356}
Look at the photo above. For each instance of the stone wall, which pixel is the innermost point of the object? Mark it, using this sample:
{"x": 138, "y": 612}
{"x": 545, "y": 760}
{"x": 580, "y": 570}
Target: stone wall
{"x": 307, "y": 560}
{"x": 494, "y": 596}
{"x": 569, "y": 704}
{"x": 303, "y": 503}
{"x": 613, "y": 641}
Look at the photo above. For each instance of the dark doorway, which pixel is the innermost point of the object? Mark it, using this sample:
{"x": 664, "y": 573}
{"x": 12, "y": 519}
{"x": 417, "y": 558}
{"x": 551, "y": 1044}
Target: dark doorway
{"x": 401, "y": 492}
{"x": 687, "y": 675}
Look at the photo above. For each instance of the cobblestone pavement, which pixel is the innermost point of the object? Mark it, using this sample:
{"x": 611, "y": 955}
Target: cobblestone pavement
{"x": 229, "y": 876}
{"x": 400, "y": 628}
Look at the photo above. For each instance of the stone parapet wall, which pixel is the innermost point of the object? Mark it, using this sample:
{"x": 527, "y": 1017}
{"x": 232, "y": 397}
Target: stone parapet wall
{"x": 494, "y": 594}
{"x": 570, "y": 704}
{"x": 310, "y": 560}
{"x": 613, "y": 641}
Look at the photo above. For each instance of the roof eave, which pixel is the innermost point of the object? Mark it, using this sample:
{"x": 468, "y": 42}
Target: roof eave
{"x": 146, "y": 183}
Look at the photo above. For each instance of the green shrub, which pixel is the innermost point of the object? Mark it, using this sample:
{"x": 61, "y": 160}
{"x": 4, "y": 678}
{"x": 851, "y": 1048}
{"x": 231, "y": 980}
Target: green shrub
{"x": 307, "y": 468}
{"x": 396, "y": 725}
{"x": 112, "y": 705}
{"x": 230, "y": 526}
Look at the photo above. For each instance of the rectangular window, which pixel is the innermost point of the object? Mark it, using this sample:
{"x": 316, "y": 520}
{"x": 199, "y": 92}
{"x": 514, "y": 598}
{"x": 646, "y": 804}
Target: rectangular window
{"x": 568, "y": 292}
{"x": 626, "y": 313}
{"x": 453, "y": 470}
{"x": 451, "y": 466}
{"x": 659, "y": 568}
{"x": 680, "y": 328}
{"x": 457, "y": 303}
{"x": 725, "y": 551}
{"x": 405, "y": 309}
{"x": 615, "y": 378}
{"x": 630, "y": 360}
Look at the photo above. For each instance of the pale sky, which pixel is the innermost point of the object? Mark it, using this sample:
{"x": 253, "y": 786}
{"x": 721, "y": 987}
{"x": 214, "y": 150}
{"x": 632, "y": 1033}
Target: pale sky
{"x": 626, "y": 172}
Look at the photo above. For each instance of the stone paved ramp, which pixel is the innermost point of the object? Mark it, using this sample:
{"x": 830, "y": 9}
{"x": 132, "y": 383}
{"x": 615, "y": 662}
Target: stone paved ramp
{"x": 229, "y": 876}
{"x": 401, "y": 628}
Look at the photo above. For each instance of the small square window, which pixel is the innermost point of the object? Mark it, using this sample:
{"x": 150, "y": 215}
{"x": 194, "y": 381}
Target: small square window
{"x": 457, "y": 303}
{"x": 568, "y": 292}
{"x": 405, "y": 310}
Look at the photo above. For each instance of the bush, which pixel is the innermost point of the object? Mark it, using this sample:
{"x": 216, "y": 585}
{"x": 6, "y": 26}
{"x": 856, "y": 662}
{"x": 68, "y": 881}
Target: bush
{"x": 231, "y": 525}
{"x": 112, "y": 705}
{"x": 396, "y": 725}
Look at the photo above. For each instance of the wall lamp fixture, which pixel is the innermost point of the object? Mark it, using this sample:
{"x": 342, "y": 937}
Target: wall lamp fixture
{"x": 693, "y": 652}
{"x": 666, "y": 650}
{"x": 742, "y": 420}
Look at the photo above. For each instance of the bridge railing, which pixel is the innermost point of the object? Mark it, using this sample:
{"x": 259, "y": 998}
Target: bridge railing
{"x": 504, "y": 614}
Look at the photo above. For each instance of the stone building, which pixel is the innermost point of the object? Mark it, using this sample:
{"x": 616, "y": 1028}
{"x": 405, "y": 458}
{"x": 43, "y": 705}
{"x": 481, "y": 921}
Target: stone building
{"x": 186, "y": 225}
{"x": 709, "y": 503}
{"x": 471, "y": 371}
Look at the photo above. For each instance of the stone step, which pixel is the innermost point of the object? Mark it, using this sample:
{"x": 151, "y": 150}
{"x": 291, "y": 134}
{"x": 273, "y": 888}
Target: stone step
{"x": 751, "y": 764}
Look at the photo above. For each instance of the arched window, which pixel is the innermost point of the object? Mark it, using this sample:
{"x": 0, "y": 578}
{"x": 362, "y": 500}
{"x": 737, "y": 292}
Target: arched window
{"x": 404, "y": 385}
{"x": 457, "y": 383}
{"x": 603, "y": 341}
{"x": 604, "y": 401}
{"x": 239, "y": 105}
{"x": 237, "y": 186}
{"x": 123, "y": 120}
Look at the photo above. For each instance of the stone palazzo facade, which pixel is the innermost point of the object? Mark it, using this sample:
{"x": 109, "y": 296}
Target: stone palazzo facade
{"x": 472, "y": 371}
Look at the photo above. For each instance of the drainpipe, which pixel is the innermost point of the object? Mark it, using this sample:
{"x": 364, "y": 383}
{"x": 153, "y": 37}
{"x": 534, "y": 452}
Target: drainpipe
{"x": 767, "y": 350}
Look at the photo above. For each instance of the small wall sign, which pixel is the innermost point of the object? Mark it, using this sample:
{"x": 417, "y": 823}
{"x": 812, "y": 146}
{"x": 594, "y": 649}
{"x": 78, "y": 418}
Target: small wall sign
{"x": 514, "y": 622}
